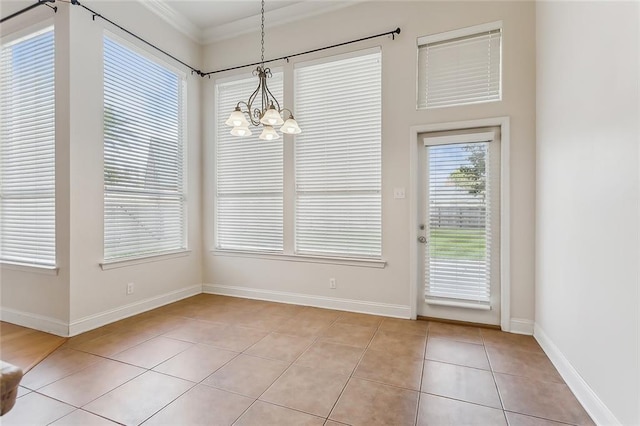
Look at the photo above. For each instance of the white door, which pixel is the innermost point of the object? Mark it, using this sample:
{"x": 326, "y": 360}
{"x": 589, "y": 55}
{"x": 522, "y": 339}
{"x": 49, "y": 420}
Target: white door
{"x": 458, "y": 240}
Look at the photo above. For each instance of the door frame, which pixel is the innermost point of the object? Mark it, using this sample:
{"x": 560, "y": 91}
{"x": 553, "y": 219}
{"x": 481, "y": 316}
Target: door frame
{"x": 505, "y": 218}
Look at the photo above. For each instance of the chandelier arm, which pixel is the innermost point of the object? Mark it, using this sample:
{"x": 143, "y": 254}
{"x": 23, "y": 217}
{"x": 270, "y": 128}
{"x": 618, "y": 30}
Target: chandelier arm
{"x": 273, "y": 98}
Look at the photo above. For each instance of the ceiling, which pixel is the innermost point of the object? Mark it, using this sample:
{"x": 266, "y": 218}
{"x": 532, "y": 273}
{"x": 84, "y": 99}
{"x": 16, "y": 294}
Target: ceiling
{"x": 207, "y": 21}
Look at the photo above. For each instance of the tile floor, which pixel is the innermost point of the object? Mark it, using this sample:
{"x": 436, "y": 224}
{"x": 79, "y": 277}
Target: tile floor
{"x": 219, "y": 361}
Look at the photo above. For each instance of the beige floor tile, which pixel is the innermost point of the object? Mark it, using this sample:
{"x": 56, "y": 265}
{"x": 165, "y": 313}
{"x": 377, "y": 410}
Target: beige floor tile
{"x": 265, "y": 414}
{"x": 333, "y": 357}
{"x": 86, "y": 385}
{"x": 234, "y": 338}
{"x": 22, "y": 391}
{"x": 463, "y": 383}
{"x": 454, "y": 352}
{"x": 400, "y": 344}
{"x": 280, "y": 346}
{"x": 515, "y": 419}
{"x": 152, "y": 352}
{"x": 247, "y": 375}
{"x": 396, "y": 325}
{"x": 510, "y": 340}
{"x": 139, "y": 399}
{"x": 83, "y": 418}
{"x": 401, "y": 371}
{"x": 282, "y": 309}
{"x": 553, "y": 401}
{"x": 455, "y": 332}
{"x": 312, "y": 313}
{"x": 303, "y": 389}
{"x": 59, "y": 364}
{"x": 202, "y": 405}
{"x": 264, "y": 321}
{"x": 534, "y": 365}
{"x": 35, "y": 409}
{"x": 303, "y": 326}
{"x": 332, "y": 423}
{"x": 347, "y": 334}
{"x": 370, "y": 403}
{"x": 112, "y": 343}
{"x": 194, "y": 331}
{"x": 196, "y": 363}
{"x": 359, "y": 319}
{"x": 436, "y": 410}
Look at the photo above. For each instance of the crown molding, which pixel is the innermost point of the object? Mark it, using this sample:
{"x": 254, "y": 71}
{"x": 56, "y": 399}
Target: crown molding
{"x": 273, "y": 18}
{"x": 174, "y": 18}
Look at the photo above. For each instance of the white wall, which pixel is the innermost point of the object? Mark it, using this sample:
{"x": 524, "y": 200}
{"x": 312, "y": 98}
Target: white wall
{"x": 587, "y": 246}
{"x": 84, "y": 296}
{"x": 388, "y": 290}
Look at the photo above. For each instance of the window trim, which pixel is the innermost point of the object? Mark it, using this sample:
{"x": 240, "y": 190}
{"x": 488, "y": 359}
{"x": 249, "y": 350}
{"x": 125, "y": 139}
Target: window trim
{"x": 13, "y": 37}
{"x": 182, "y": 75}
{"x": 451, "y": 36}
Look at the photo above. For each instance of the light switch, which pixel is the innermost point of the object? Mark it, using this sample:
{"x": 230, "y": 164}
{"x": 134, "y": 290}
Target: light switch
{"x": 398, "y": 192}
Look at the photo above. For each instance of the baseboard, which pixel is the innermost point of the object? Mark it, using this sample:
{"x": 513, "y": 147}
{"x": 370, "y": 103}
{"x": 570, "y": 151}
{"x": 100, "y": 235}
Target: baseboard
{"x": 375, "y": 308}
{"x": 598, "y": 411}
{"x": 37, "y": 322}
{"x": 103, "y": 318}
{"x": 521, "y": 326}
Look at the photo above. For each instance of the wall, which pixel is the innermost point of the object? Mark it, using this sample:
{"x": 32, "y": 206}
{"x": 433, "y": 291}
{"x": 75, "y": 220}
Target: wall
{"x": 587, "y": 305}
{"x": 83, "y": 296}
{"x": 386, "y": 290}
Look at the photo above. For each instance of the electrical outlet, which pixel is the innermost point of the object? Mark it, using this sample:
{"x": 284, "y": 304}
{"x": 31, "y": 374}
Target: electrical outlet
{"x": 332, "y": 283}
{"x": 130, "y": 288}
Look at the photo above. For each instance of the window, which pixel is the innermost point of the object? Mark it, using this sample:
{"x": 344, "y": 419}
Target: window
{"x": 460, "y": 67}
{"x": 249, "y": 177}
{"x": 27, "y": 151}
{"x": 338, "y": 157}
{"x": 144, "y": 155}
{"x": 462, "y": 207}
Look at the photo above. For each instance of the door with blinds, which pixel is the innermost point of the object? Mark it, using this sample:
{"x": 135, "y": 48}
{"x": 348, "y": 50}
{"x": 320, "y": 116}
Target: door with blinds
{"x": 459, "y": 234}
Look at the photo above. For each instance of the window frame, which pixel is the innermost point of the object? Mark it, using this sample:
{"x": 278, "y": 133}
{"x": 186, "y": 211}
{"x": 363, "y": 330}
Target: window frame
{"x": 14, "y": 37}
{"x": 288, "y": 253}
{"x": 148, "y": 54}
{"x": 451, "y": 36}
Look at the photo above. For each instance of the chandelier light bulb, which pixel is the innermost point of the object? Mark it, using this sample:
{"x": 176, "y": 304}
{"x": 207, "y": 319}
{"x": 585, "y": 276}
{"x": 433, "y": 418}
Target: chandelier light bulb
{"x": 241, "y": 131}
{"x": 272, "y": 117}
{"x": 290, "y": 127}
{"x": 269, "y": 134}
{"x": 237, "y": 119}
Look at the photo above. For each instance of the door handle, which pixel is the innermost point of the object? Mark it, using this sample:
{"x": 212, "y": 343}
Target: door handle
{"x": 422, "y": 239}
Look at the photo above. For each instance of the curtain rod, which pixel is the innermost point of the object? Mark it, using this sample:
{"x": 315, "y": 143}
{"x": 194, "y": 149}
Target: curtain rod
{"x": 21, "y": 11}
{"x": 287, "y": 57}
{"x": 193, "y": 69}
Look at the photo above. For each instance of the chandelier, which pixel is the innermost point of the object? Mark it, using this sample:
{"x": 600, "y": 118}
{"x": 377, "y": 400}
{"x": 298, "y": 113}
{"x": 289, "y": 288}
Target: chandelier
{"x": 269, "y": 113}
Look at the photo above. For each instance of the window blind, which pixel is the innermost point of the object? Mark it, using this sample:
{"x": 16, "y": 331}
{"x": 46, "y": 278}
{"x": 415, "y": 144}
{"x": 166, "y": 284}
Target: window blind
{"x": 144, "y": 159}
{"x": 338, "y": 157}
{"x": 460, "y": 197}
{"x": 249, "y": 177}
{"x": 459, "y": 71}
{"x": 27, "y": 151}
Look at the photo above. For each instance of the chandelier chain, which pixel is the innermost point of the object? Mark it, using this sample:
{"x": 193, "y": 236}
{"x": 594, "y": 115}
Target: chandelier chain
{"x": 262, "y": 39}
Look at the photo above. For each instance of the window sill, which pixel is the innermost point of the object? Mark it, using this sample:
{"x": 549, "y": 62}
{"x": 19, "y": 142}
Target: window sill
{"x": 366, "y": 263}
{"x": 459, "y": 304}
{"x": 131, "y": 261}
{"x": 23, "y": 267}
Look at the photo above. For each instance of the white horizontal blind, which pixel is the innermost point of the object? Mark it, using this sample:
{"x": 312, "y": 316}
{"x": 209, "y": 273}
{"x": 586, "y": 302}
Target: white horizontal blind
{"x": 249, "y": 176}
{"x": 458, "y": 255}
{"x": 460, "y": 71}
{"x": 338, "y": 157}
{"x": 144, "y": 196}
{"x": 27, "y": 151}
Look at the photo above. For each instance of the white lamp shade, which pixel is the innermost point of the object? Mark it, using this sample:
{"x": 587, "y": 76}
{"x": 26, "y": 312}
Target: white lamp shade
{"x": 237, "y": 119}
{"x": 241, "y": 131}
{"x": 290, "y": 127}
{"x": 269, "y": 134}
{"x": 272, "y": 117}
